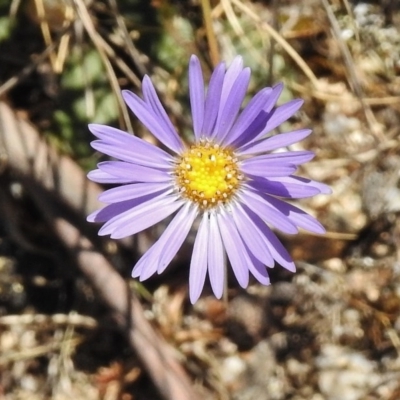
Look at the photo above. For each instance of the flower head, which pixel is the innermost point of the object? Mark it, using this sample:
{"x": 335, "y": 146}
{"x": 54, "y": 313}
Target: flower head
{"x": 230, "y": 177}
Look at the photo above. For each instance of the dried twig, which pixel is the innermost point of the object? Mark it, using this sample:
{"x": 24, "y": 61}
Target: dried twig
{"x": 28, "y": 69}
{"x": 23, "y": 150}
{"x": 280, "y": 40}
{"x": 43, "y": 171}
{"x": 353, "y": 79}
{"x": 87, "y": 22}
{"x": 212, "y": 40}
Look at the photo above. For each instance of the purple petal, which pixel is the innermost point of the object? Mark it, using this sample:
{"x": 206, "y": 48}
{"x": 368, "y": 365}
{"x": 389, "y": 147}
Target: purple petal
{"x": 164, "y": 250}
{"x": 213, "y": 99}
{"x": 198, "y": 263}
{"x": 273, "y": 98}
{"x": 258, "y": 270}
{"x": 175, "y": 234}
{"x": 231, "y": 75}
{"x": 127, "y": 147}
{"x": 143, "y": 221}
{"x": 249, "y": 262}
{"x": 267, "y": 168}
{"x": 280, "y": 115}
{"x": 306, "y": 221}
{"x": 257, "y": 126}
{"x": 297, "y": 216}
{"x": 129, "y": 192}
{"x": 289, "y": 157}
{"x": 321, "y": 187}
{"x": 248, "y": 115}
{"x": 129, "y": 155}
{"x": 147, "y": 263}
{"x": 150, "y": 216}
{"x": 216, "y": 259}
{"x": 267, "y": 212}
{"x": 234, "y": 248}
{"x": 140, "y": 217}
{"x": 278, "y": 252}
{"x": 251, "y": 236}
{"x": 134, "y": 172}
{"x": 112, "y": 210}
{"x": 102, "y": 177}
{"x": 228, "y": 114}
{"x": 154, "y": 123}
{"x": 282, "y": 189}
{"x": 147, "y": 266}
{"x": 274, "y": 142}
{"x": 196, "y": 89}
{"x": 151, "y": 98}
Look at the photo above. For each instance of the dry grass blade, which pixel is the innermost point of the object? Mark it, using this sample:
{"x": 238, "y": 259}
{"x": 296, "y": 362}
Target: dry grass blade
{"x": 119, "y": 62}
{"x": 353, "y": 22}
{"x": 99, "y": 44}
{"x": 240, "y": 32}
{"x": 325, "y": 96}
{"x": 212, "y": 40}
{"x": 373, "y": 124}
{"x": 44, "y": 26}
{"x": 134, "y": 53}
{"x": 15, "y": 4}
{"x": 27, "y": 70}
{"x": 280, "y": 40}
{"x": 37, "y": 351}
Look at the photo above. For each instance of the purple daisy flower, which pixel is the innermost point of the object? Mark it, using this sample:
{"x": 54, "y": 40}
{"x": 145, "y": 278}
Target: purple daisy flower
{"x": 230, "y": 178}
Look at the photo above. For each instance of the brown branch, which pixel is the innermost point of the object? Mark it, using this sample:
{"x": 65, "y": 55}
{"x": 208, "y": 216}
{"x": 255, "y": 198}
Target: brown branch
{"x": 156, "y": 355}
{"x": 26, "y": 153}
{"x": 23, "y": 150}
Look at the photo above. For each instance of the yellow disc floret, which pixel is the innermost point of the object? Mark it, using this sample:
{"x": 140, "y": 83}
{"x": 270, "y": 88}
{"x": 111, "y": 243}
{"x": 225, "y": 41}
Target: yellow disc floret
{"x": 207, "y": 174}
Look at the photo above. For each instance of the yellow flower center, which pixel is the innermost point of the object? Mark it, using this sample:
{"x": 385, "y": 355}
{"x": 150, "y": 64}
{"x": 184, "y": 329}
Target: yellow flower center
{"x": 208, "y": 174}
